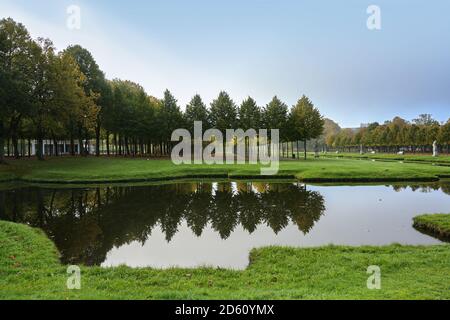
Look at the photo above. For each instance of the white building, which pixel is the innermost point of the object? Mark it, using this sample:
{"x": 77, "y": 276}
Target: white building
{"x": 49, "y": 147}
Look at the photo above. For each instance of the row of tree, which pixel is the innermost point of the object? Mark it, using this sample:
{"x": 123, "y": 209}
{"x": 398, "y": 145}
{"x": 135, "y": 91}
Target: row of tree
{"x": 59, "y": 96}
{"x": 394, "y": 136}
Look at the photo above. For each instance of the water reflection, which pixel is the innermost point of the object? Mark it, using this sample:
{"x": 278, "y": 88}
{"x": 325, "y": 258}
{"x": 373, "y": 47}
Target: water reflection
{"x": 86, "y": 224}
{"x": 191, "y": 224}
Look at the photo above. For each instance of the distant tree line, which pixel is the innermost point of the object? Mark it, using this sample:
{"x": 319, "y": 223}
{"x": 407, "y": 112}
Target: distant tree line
{"x": 64, "y": 96}
{"x": 394, "y": 136}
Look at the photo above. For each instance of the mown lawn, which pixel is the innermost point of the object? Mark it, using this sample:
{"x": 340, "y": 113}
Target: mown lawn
{"x": 29, "y": 269}
{"x": 441, "y": 159}
{"x": 84, "y": 170}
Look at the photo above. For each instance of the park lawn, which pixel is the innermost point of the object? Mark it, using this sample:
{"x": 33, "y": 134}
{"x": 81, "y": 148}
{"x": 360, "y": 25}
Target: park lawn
{"x": 437, "y": 224}
{"x": 441, "y": 159}
{"x": 98, "y": 170}
{"x": 29, "y": 269}
{"x": 7, "y": 173}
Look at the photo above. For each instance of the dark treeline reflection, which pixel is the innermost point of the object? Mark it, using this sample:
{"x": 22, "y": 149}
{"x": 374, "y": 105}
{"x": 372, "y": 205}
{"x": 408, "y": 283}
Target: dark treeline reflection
{"x": 426, "y": 187}
{"x": 86, "y": 223}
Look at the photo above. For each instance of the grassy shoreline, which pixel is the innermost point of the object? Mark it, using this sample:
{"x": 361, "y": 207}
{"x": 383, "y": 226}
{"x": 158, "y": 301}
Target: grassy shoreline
{"x": 126, "y": 170}
{"x": 30, "y": 269}
{"x": 442, "y": 159}
{"x": 437, "y": 225}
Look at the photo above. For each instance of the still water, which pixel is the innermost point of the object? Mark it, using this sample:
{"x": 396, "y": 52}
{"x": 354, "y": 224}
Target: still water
{"x": 217, "y": 224}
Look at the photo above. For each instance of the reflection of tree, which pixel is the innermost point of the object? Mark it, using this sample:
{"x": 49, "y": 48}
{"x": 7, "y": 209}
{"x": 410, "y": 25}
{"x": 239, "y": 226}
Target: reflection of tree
{"x": 224, "y": 213}
{"x": 87, "y": 223}
{"x": 274, "y": 210}
{"x": 250, "y": 210}
{"x": 197, "y": 210}
{"x": 445, "y": 187}
{"x": 421, "y": 187}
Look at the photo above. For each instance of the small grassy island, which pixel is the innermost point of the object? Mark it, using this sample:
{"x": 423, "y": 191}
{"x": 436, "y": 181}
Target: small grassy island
{"x": 435, "y": 224}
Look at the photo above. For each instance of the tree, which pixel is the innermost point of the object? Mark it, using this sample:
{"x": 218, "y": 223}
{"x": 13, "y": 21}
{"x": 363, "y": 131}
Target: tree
{"x": 15, "y": 67}
{"x": 444, "y": 134}
{"x": 223, "y": 112}
{"x": 95, "y": 87}
{"x": 133, "y": 117}
{"x": 425, "y": 120}
{"x": 57, "y": 93}
{"x": 196, "y": 110}
{"x": 249, "y": 115}
{"x": 306, "y": 121}
{"x": 170, "y": 116}
{"x": 43, "y": 56}
{"x": 331, "y": 129}
{"x": 69, "y": 102}
{"x": 275, "y": 115}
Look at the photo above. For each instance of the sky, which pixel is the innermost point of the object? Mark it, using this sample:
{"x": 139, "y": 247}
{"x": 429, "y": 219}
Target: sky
{"x": 262, "y": 48}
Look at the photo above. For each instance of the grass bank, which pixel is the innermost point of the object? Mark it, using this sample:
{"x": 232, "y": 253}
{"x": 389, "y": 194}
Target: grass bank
{"x": 104, "y": 170}
{"x": 29, "y": 269}
{"x": 443, "y": 159}
{"x": 435, "y": 224}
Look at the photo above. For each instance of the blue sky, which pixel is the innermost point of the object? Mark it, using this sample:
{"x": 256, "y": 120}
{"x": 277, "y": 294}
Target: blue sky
{"x": 261, "y": 48}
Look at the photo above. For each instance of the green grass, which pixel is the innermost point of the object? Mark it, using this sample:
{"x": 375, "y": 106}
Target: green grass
{"x": 97, "y": 170}
{"x": 441, "y": 159}
{"x": 7, "y": 173}
{"x": 436, "y": 224}
{"x": 29, "y": 269}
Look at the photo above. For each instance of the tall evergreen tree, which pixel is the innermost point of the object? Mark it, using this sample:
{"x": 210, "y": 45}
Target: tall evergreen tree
{"x": 171, "y": 115}
{"x": 249, "y": 115}
{"x": 275, "y": 115}
{"x": 196, "y": 110}
{"x": 306, "y": 122}
{"x": 223, "y": 112}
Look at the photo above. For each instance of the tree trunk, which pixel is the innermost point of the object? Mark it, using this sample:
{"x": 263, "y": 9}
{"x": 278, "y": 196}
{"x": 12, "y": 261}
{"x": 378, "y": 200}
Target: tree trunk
{"x": 40, "y": 151}
{"x": 15, "y": 122}
{"x": 127, "y": 147}
{"x": 107, "y": 143}
{"x": 97, "y": 141}
{"x": 2, "y": 143}
{"x": 304, "y": 144}
{"x": 80, "y": 146}
{"x": 55, "y": 143}
{"x": 15, "y": 144}
{"x": 72, "y": 146}
{"x": 86, "y": 147}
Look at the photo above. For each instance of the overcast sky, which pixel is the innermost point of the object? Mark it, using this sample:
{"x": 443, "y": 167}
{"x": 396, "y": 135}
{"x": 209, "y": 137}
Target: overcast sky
{"x": 263, "y": 48}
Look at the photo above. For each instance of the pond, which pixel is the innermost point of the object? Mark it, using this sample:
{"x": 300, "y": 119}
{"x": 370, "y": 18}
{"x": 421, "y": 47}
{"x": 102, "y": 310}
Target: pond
{"x": 218, "y": 223}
